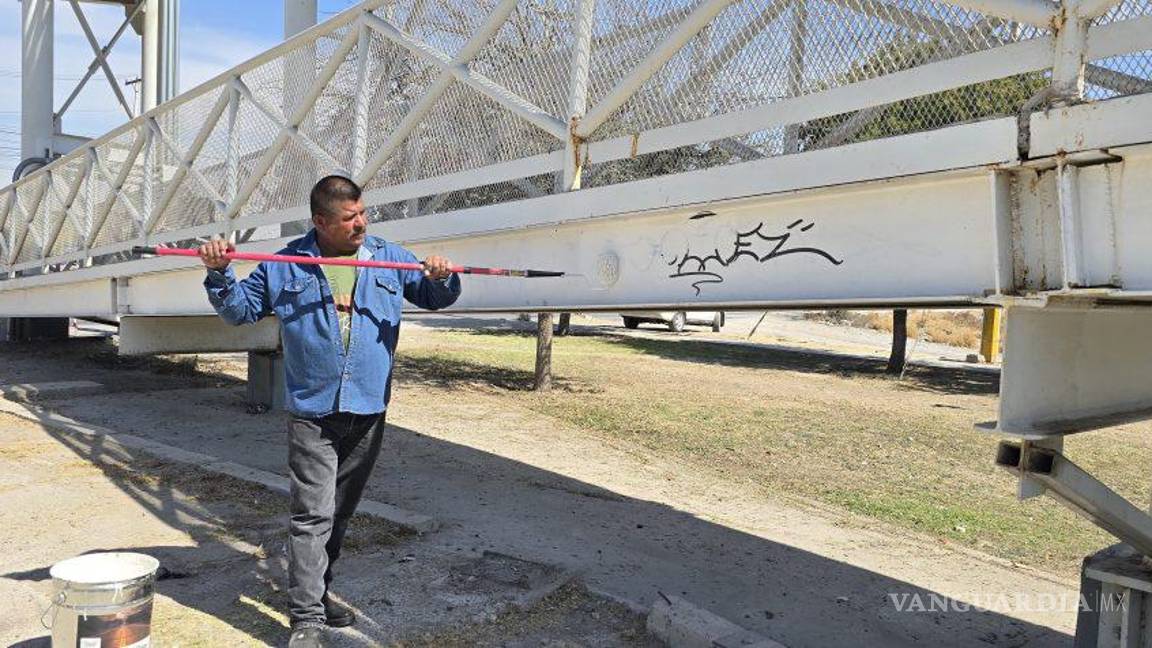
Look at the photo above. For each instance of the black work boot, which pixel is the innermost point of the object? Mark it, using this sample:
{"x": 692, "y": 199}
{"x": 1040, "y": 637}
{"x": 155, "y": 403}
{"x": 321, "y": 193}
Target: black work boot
{"x": 307, "y": 637}
{"x": 338, "y": 615}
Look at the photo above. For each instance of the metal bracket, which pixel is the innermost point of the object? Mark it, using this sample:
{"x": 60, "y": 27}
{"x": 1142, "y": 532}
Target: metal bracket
{"x": 1078, "y": 490}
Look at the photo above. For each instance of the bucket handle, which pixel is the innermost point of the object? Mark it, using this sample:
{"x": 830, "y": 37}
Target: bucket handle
{"x": 53, "y": 607}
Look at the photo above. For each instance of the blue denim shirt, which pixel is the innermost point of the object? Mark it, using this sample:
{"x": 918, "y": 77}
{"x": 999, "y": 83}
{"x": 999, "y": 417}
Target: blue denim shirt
{"x": 321, "y": 378}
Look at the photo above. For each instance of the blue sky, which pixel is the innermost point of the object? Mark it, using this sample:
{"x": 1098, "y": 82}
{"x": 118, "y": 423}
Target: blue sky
{"x": 215, "y": 35}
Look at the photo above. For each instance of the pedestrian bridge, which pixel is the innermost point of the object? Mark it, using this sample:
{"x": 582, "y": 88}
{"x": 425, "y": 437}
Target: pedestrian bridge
{"x": 674, "y": 154}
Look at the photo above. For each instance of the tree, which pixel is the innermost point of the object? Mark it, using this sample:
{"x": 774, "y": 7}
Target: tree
{"x": 999, "y": 97}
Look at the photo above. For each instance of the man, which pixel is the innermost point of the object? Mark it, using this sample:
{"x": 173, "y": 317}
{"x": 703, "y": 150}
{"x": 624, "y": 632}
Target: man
{"x": 338, "y": 326}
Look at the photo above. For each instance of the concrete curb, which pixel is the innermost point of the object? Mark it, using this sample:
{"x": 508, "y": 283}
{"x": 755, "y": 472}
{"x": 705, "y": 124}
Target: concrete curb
{"x": 681, "y": 624}
{"x": 65, "y": 389}
{"x": 409, "y": 520}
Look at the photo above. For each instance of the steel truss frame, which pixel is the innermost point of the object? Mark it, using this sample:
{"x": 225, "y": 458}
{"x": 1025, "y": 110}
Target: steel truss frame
{"x": 574, "y": 132}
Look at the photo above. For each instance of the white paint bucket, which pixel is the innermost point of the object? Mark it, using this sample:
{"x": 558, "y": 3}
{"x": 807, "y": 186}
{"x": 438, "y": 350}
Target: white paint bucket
{"x": 103, "y": 600}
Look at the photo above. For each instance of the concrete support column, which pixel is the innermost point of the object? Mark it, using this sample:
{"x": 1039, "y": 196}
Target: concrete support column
{"x": 36, "y": 69}
{"x": 149, "y": 55}
{"x": 266, "y": 379}
{"x": 159, "y": 53}
{"x": 299, "y": 73}
{"x": 298, "y": 16}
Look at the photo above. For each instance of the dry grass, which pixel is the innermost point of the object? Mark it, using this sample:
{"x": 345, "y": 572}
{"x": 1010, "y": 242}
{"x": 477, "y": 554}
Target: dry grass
{"x": 795, "y": 425}
{"x": 959, "y": 328}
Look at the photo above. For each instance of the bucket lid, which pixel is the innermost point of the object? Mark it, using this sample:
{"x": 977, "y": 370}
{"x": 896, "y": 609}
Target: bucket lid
{"x": 109, "y": 567}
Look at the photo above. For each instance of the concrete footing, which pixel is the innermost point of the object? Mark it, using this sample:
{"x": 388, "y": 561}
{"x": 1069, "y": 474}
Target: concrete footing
{"x": 1115, "y": 599}
{"x": 63, "y": 389}
{"x": 266, "y": 379}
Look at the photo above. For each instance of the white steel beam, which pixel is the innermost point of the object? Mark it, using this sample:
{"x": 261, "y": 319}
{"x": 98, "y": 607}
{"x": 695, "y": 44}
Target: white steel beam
{"x": 149, "y": 335}
{"x": 631, "y": 83}
{"x": 1072, "y": 243}
{"x": 416, "y": 113}
{"x": 1040, "y": 13}
{"x": 1089, "y": 9}
{"x": 95, "y": 297}
{"x": 1096, "y": 125}
{"x": 232, "y": 152}
{"x": 1073, "y": 370}
{"x": 1070, "y": 58}
{"x": 360, "y": 102}
{"x": 504, "y": 97}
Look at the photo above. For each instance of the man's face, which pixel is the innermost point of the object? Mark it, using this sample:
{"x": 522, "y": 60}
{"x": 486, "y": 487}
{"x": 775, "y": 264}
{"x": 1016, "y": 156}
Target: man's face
{"x": 344, "y": 230}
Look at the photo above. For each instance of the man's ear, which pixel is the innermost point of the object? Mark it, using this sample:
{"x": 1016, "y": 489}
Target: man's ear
{"x": 318, "y": 220}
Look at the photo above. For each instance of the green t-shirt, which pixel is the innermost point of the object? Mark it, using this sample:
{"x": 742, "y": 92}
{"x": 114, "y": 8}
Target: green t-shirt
{"x": 342, "y": 280}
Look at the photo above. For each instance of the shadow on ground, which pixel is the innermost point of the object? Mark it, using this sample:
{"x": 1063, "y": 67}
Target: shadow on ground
{"x": 943, "y": 380}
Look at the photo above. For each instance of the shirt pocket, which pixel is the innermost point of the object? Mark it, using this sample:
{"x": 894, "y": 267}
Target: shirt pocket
{"x": 297, "y": 295}
{"x": 386, "y": 295}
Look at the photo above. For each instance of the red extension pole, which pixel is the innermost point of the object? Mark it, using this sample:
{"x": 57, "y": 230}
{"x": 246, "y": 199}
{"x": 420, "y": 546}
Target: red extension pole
{"x": 284, "y": 258}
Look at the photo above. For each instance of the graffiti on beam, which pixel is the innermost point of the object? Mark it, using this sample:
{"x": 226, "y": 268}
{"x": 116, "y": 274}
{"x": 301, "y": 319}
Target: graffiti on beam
{"x": 753, "y": 244}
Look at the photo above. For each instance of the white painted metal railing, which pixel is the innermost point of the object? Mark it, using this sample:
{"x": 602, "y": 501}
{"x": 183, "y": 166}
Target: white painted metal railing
{"x": 441, "y": 104}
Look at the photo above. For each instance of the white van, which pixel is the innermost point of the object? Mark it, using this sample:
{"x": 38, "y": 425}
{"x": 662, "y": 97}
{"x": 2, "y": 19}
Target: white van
{"x": 674, "y": 320}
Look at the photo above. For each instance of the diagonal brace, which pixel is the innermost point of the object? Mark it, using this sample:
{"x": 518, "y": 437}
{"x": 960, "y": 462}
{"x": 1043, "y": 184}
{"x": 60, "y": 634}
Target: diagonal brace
{"x": 293, "y": 130}
{"x": 101, "y": 56}
{"x": 644, "y": 70}
{"x": 519, "y": 106}
{"x": 417, "y": 113}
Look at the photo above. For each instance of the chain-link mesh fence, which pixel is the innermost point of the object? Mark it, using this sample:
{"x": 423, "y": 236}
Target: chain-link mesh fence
{"x": 150, "y": 182}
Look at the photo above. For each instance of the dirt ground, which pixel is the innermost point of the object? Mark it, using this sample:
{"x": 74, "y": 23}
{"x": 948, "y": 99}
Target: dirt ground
{"x": 505, "y": 480}
{"x": 219, "y": 541}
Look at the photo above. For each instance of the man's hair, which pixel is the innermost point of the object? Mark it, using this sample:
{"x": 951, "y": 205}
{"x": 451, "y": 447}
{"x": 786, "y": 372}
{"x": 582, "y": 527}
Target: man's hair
{"x": 331, "y": 191}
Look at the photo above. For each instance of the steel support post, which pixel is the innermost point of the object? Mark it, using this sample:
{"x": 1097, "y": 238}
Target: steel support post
{"x": 149, "y": 55}
{"x": 36, "y": 68}
{"x": 1070, "y": 57}
{"x": 582, "y": 19}
{"x": 796, "y": 70}
{"x": 299, "y": 74}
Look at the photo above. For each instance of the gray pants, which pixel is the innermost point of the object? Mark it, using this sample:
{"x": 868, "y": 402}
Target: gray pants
{"x": 329, "y": 461}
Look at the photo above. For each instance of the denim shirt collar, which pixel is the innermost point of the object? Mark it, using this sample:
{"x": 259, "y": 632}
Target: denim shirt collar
{"x": 308, "y": 246}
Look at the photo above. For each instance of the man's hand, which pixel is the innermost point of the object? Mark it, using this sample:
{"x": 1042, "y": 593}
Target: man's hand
{"x": 437, "y": 267}
{"x": 212, "y": 254}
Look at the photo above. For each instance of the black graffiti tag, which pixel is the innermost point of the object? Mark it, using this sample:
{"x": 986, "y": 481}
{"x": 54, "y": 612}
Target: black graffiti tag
{"x": 708, "y": 269}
